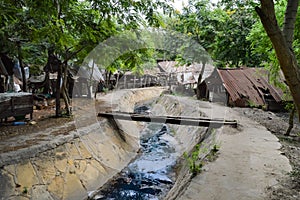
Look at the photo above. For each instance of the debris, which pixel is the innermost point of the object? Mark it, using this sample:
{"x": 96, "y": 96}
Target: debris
{"x": 18, "y": 123}
{"x": 32, "y": 122}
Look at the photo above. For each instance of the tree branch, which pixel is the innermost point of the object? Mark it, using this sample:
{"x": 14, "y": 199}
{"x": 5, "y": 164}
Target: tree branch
{"x": 73, "y": 54}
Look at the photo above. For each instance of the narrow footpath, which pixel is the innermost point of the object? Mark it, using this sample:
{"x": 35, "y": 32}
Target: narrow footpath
{"x": 249, "y": 161}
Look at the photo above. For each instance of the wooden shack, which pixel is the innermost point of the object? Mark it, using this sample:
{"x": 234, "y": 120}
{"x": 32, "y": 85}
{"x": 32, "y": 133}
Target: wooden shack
{"x": 16, "y": 105}
{"x": 242, "y": 87}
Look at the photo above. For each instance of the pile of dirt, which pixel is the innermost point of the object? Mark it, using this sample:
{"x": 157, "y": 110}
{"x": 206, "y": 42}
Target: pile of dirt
{"x": 287, "y": 188}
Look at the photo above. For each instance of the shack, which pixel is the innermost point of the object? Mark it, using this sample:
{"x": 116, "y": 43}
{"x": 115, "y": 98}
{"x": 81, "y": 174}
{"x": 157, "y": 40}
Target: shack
{"x": 84, "y": 79}
{"x": 6, "y": 73}
{"x": 131, "y": 80}
{"x": 182, "y": 77}
{"x": 16, "y": 105}
{"x": 180, "y": 74}
{"x": 3, "y": 77}
{"x": 242, "y": 87}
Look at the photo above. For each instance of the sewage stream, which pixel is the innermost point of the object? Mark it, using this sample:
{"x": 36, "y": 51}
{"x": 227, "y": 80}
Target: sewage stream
{"x": 151, "y": 175}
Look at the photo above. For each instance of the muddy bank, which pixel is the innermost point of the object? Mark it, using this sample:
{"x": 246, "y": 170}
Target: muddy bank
{"x": 72, "y": 166}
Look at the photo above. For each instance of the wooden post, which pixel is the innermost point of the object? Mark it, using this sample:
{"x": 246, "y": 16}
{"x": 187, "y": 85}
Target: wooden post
{"x": 169, "y": 81}
{"x": 58, "y": 81}
{"x": 125, "y": 77}
{"x": 24, "y": 87}
{"x": 145, "y": 84}
{"x": 134, "y": 81}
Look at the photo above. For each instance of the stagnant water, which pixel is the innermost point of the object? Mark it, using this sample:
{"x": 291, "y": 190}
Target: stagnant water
{"x": 151, "y": 174}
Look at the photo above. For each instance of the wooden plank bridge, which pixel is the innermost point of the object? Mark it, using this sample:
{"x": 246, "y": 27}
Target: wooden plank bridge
{"x": 179, "y": 120}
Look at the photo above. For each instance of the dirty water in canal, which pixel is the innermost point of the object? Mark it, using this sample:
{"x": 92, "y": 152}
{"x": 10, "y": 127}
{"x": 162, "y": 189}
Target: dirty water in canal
{"x": 151, "y": 175}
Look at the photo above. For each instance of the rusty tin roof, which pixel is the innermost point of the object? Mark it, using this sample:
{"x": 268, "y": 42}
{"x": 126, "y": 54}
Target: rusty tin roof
{"x": 248, "y": 83}
{"x": 190, "y": 72}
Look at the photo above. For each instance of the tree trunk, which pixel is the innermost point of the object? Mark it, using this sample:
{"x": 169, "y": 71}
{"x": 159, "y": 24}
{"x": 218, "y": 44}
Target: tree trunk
{"x": 64, "y": 90}
{"x": 106, "y": 77}
{"x": 289, "y": 21}
{"x": 108, "y": 86}
{"x": 90, "y": 82}
{"x": 58, "y": 82}
{"x": 284, "y": 52}
{"x": 24, "y": 87}
{"x": 291, "y": 121}
{"x": 199, "y": 81}
{"x": 118, "y": 77}
{"x": 46, "y": 89}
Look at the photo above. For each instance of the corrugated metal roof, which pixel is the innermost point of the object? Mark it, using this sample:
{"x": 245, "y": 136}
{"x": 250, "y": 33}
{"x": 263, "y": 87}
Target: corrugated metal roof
{"x": 248, "y": 83}
{"x": 174, "y": 67}
{"x": 190, "y": 72}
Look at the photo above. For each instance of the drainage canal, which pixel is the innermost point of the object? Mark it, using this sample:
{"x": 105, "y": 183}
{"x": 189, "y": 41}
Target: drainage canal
{"x": 151, "y": 175}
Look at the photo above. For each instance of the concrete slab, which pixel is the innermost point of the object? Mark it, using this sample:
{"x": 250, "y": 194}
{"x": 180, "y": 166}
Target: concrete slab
{"x": 249, "y": 162}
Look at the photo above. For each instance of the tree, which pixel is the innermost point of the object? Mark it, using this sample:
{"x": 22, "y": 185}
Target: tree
{"x": 231, "y": 49}
{"x": 60, "y": 32}
{"x": 282, "y": 42}
{"x": 221, "y": 30}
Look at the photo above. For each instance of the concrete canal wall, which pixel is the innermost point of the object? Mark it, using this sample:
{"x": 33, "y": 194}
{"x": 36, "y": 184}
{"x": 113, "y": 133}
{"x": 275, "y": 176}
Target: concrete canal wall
{"x": 75, "y": 165}
{"x": 187, "y": 136}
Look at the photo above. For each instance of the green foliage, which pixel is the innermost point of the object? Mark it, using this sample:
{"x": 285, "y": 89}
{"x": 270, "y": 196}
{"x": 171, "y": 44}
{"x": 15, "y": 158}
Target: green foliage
{"x": 195, "y": 164}
{"x": 230, "y": 45}
{"x": 252, "y": 104}
{"x": 289, "y": 106}
{"x": 213, "y": 153}
{"x": 73, "y": 28}
{"x": 222, "y": 32}
{"x": 193, "y": 160}
{"x": 295, "y": 173}
{"x": 25, "y": 190}
{"x": 215, "y": 148}
{"x": 262, "y": 46}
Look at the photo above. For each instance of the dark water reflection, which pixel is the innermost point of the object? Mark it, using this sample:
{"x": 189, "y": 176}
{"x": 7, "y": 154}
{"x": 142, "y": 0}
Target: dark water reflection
{"x": 151, "y": 175}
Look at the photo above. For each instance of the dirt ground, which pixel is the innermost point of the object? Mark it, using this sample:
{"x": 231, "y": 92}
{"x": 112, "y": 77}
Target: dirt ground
{"x": 289, "y": 187}
{"x": 42, "y": 119}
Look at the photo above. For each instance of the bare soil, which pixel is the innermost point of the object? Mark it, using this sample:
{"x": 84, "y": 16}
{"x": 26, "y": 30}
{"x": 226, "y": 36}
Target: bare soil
{"x": 44, "y": 126}
{"x": 42, "y": 119}
{"x": 288, "y": 188}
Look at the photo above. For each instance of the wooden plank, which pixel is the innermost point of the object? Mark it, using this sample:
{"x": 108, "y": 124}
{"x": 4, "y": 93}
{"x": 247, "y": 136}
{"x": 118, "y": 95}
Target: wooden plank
{"x": 15, "y": 104}
{"x": 189, "y": 121}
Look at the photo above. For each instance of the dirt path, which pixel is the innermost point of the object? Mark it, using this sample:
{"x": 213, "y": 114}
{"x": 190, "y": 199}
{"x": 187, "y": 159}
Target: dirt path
{"x": 248, "y": 163}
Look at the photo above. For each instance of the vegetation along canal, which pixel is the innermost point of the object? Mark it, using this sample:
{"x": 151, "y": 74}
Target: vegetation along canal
{"x": 151, "y": 174}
